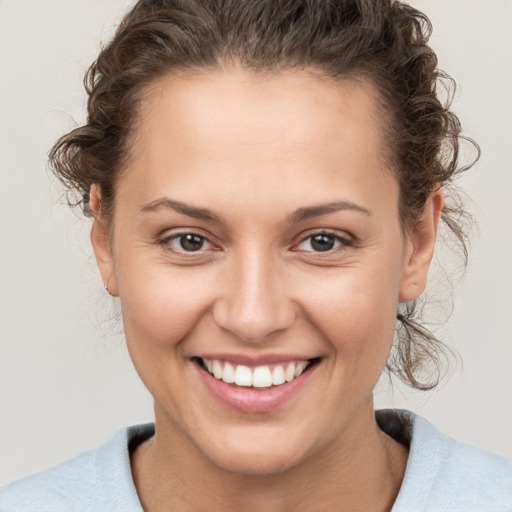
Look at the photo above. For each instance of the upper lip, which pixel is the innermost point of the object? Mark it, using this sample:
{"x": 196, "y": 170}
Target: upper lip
{"x": 255, "y": 360}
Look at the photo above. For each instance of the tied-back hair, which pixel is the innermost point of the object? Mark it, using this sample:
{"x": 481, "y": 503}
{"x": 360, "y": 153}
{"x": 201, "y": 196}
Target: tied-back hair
{"x": 380, "y": 42}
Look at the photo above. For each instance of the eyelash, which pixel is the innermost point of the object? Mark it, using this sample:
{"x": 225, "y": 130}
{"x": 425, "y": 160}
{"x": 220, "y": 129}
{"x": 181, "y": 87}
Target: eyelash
{"x": 166, "y": 242}
{"x": 342, "y": 242}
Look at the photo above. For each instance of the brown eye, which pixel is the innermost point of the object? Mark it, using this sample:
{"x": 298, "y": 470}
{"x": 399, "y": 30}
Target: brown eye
{"x": 186, "y": 242}
{"x": 322, "y": 242}
{"x": 191, "y": 242}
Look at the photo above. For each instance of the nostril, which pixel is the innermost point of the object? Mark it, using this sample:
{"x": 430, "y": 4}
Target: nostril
{"x": 252, "y": 323}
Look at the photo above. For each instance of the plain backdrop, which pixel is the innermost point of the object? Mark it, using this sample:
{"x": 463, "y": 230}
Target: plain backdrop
{"x": 66, "y": 382}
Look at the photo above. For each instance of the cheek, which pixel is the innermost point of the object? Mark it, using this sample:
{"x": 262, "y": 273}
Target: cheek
{"x": 160, "y": 305}
{"x": 356, "y": 310}
{"x": 358, "y": 325}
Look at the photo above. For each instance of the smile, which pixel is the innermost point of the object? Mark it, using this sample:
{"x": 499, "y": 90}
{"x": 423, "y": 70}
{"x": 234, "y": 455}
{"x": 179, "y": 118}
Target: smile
{"x": 250, "y": 386}
{"x": 263, "y": 376}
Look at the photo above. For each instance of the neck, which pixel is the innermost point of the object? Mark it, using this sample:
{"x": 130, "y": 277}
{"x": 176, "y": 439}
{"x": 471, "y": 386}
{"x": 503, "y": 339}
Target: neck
{"x": 361, "y": 470}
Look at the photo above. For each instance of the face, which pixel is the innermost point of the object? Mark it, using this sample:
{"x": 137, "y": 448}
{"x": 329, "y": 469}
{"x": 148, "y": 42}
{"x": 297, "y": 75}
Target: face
{"x": 256, "y": 235}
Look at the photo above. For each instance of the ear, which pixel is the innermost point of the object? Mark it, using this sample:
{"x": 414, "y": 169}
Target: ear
{"x": 100, "y": 243}
{"x": 420, "y": 244}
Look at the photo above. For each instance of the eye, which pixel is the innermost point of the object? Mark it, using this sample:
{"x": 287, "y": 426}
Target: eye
{"x": 186, "y": 242}
{"x": 322, "y": 242}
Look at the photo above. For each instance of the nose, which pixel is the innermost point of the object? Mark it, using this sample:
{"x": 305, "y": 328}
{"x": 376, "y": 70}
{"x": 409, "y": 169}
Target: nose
{"x": 254, "y": 303}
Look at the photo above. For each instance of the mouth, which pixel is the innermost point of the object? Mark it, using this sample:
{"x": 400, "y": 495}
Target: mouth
{"x": 260, "y": 376}
{"x": 249, "y": 386}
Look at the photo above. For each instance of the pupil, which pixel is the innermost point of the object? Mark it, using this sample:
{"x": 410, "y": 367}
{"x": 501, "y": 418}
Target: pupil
{"x": 191, "y": 242}
{"x": 322, "y": 242}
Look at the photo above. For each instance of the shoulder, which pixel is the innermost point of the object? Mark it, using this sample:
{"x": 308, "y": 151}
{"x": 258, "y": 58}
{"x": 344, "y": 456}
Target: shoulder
{"x": 444, "y": 475}
{"x": 94, "y": 480}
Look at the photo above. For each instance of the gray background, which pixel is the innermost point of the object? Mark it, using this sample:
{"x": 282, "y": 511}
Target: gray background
{"x": 66, "y": 382}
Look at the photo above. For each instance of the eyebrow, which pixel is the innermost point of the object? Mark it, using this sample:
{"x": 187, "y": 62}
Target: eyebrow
{"x": 309, "y": 212}
{"x": 298, "y": 215}
{"x": 186, "y": 209}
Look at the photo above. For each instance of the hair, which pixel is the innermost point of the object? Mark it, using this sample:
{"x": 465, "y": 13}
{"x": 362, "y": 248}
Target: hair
{"x": 381, "y": 42}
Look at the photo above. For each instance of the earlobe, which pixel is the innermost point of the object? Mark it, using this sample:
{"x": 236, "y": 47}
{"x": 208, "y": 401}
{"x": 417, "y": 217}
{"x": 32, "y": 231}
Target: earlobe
{"x": 100, "y": 243}
{"x": 420, "y": 244}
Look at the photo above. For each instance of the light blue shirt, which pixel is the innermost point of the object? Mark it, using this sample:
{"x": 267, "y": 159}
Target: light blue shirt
{"x": 442, "y": 475}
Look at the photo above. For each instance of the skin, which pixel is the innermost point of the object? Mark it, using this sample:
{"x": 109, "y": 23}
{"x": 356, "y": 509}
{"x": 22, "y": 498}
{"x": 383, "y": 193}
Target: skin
{"x": 253, "y": 149}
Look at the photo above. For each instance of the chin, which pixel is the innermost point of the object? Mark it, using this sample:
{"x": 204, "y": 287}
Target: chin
{"x": 256, "y": 464}
{"x": 258, "y": 456}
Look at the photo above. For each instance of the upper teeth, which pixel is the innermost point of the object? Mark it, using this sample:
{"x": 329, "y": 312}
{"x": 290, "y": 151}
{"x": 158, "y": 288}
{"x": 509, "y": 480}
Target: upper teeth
{"x": 258, "y": 377}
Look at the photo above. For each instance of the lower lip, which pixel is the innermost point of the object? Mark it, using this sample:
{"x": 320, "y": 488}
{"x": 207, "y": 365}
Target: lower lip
{"x": 253, "y": 400}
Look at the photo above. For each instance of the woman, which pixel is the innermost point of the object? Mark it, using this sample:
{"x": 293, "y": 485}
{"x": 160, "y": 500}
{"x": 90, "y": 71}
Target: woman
{"x": 266, "y": 181}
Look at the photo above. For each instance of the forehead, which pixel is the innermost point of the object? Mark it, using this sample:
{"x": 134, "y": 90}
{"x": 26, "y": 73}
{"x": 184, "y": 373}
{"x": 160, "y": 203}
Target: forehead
{"x": 291, "y": 106}
{"x": 217, "y": 127}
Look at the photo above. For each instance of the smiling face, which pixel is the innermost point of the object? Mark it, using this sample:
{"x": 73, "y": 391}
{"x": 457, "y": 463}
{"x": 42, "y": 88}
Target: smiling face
{"x": 257, "y": 226}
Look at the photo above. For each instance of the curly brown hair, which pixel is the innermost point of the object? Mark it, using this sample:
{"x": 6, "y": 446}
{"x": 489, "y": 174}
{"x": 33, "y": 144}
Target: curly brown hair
{"x": 383, "y": 42}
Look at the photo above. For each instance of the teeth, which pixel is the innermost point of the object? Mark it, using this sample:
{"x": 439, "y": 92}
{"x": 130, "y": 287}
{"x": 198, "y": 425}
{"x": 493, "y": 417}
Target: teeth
{"x": 243, "y": 376}
{"x": 289, "y": 373}
{"x": 259, "y": 377}
{"x": 228, "y": 376}
{"x": 278, "y": 376}
{"x": 217, "y": 369}
{"x": 300, "y": 367}
{"x": 262, "y": 378}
